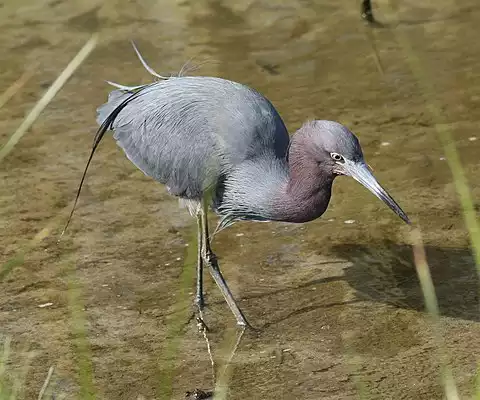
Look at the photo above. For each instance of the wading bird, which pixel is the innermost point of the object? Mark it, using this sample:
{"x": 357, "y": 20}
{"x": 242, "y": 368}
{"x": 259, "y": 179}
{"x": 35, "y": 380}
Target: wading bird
{"x": 219, "y": 144}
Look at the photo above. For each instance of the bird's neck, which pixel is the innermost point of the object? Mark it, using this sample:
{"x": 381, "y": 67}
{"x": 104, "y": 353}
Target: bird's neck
{"x": 269, "y": 188}
{"x": 308, "y": 189}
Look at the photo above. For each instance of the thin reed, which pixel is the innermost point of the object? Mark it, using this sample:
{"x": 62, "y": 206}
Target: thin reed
{"x": 49, "y": 95}
{"x": 446, "y": 137}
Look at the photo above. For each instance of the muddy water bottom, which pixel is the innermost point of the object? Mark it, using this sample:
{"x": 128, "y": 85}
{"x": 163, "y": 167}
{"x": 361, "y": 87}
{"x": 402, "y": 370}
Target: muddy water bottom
{"x": 338, "y": 305}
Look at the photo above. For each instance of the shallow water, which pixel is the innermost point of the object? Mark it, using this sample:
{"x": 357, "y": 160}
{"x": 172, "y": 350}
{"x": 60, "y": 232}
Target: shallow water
{"x": 338, "y": 305}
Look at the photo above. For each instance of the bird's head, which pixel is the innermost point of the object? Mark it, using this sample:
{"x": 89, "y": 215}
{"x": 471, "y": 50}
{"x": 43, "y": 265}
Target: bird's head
{"x": 337, "y": 150}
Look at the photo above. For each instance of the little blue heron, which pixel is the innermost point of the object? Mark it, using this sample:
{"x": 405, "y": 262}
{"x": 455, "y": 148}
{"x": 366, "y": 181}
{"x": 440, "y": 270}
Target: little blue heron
{"x": 222, "y": 145}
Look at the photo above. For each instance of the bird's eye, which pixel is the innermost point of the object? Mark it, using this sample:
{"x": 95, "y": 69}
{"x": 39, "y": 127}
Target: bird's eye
{"x": 337, "y": 157}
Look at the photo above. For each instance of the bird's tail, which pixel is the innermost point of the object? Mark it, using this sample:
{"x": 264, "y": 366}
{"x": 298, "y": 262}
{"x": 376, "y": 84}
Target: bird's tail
{"x": 105, "y": 125}
{"x": 106, "y": 114}
{"x": 115, "y": 98}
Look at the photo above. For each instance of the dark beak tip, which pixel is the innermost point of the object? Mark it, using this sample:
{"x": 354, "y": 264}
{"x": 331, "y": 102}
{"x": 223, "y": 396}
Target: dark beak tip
{"x": 405, "y": 218}
{"x": 363, "y": 175}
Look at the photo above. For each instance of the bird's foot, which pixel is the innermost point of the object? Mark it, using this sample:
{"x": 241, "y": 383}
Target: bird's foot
{"x": 199, "y": 302}
{"x": 245, "y": 325}
{"x": 366, "y": 11}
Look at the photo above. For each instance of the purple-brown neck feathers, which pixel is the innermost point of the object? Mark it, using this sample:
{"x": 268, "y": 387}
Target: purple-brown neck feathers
{"x": 309, "y": 186}
{"x": 271, "y": 188}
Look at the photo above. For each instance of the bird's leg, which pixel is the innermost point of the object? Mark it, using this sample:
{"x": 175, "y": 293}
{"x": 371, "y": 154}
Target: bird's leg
{"x": 199, "y": 300}
{"x": 367, "y": 13}
{"x": 211, "y": 260}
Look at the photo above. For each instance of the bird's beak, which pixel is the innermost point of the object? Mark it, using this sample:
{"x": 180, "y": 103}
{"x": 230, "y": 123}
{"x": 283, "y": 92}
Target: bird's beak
{"x": 362, "y": 174}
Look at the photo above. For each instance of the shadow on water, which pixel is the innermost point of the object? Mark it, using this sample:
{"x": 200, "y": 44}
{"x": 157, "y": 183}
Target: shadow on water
{"x": 457, "y": 14}
{"x": 385, "y": 273}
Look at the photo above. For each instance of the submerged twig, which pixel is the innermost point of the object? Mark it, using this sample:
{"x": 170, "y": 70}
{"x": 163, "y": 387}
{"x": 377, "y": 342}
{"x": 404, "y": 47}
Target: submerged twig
{"x": 373, "y": 46}
{"x": 46, "y": 383}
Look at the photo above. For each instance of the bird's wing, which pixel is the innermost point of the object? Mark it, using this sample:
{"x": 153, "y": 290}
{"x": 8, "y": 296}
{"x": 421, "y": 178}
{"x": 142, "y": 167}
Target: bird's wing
{"x": 163, "y": 131}
{"x": 189, "y": 132}
{"x": 186, "y": 132}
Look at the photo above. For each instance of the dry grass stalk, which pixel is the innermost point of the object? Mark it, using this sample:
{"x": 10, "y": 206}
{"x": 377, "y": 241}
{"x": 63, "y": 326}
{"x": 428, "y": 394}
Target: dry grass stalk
{"x": 46, "y": 383}
{"x": 16, "y": 86}
{"x": 49, "y": 95}
{"x": 431, "y": 303}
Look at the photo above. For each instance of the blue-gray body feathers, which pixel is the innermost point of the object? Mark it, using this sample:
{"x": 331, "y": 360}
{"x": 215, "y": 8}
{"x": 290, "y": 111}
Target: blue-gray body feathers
{"x": 199, "y": 133}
